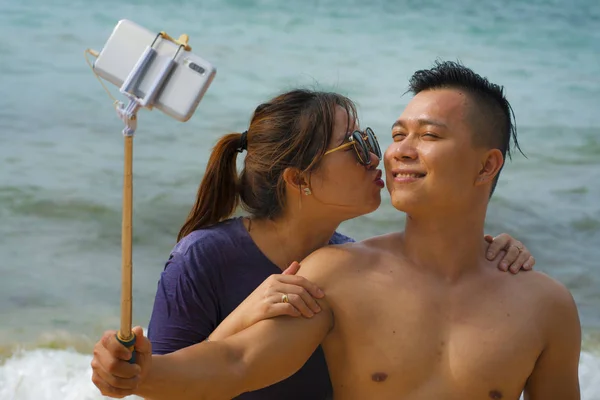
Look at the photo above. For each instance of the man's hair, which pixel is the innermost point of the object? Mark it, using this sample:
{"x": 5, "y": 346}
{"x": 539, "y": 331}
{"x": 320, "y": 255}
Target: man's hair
{"x": 488, "y": 98}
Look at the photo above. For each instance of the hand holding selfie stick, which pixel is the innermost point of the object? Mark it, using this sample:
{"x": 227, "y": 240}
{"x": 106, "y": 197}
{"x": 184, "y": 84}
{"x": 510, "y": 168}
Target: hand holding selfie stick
{"x": 128, "y": 113}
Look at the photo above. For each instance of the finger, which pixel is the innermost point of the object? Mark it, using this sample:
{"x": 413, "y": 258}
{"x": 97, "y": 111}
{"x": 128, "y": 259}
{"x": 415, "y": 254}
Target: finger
{"x": 528, "y": 266}
{"x": 105, "y": 360}
{"x": 524, "y": 250}
{"x": 519, "y": 262}
{"x": 298, "y": 302}
{"x": 501, "y": 254}
{"x": 292, "y": 269}
{"x": 109, "y": 342}
{"x": 116, "y": 382}
{"x": 499, "y": 242}
{"x": 304, "y": 296}
{"x": 106, "y": 336}
{"x": 278, "y": 309}
{"x": 509, "y": 258}
{"x": 489, "y": 238}
{"x": 109, "y": 390}
{"x": 310, "y": 287}
{"x": 520, "y": 246}
{"x": 142, "y": 344}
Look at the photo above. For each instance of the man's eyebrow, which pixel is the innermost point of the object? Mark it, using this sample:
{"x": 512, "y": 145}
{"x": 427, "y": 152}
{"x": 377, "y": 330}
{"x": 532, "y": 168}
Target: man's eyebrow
{"x": 421, "y": 121}
{"x": 397, "y": 124}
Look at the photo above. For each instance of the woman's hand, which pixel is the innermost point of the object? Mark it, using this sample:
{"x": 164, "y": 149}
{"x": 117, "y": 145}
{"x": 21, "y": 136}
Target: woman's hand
{"x": 279, "y": 294}
{"x": 515, "y": 256}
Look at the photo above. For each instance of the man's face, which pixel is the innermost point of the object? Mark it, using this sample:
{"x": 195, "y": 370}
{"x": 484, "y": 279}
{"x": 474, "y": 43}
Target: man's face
{"x": 432, "y": 164}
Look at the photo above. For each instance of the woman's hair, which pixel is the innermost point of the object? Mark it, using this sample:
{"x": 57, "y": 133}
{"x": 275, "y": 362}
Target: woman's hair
{"x": 291, "y": 130}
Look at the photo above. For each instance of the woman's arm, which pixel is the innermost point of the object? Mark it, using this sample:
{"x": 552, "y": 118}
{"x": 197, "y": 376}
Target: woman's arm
{"x": 267, "y": 302}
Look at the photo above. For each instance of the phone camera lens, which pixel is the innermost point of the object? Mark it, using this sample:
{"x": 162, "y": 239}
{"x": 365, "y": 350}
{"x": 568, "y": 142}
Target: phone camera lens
{"x": 197, "y": 68}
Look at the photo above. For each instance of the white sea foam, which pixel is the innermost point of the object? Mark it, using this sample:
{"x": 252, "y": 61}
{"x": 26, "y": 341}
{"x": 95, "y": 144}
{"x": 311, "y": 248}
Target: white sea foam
{"x": 48, "y": 374}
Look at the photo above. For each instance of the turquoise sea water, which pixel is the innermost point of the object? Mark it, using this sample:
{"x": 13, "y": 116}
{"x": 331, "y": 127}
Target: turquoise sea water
{"x": 61, "y": 146}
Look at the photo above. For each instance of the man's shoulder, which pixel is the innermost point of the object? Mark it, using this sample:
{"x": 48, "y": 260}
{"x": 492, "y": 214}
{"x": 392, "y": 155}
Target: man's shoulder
{"x": 333, "y": 254}
{"x": 383, "y": 242}
{"x": 551, "y": 298}
{"x": 556, "y": 320}
{"x": 544, "y": 286}
{"x": 328, "y": 260}
{"x": 342, "y": 259}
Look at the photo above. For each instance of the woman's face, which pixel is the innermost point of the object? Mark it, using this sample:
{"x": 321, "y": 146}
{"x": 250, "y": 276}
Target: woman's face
{"x": 341, "y": 185}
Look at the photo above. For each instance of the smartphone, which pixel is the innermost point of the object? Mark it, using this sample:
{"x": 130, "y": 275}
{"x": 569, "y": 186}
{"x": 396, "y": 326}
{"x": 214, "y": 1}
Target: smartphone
{"x": 185, "y": 86}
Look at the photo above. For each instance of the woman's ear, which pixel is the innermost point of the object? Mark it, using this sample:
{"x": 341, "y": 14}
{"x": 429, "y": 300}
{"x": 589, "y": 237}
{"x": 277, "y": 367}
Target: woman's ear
{"x": 295, "y": 180}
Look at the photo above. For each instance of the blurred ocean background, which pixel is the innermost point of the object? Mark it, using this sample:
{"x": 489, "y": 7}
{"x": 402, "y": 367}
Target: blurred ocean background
{"x": 61, "y": 147}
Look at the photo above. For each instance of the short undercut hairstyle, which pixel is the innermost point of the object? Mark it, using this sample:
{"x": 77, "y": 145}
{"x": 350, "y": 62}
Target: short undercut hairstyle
{"x": 488, "y": 98}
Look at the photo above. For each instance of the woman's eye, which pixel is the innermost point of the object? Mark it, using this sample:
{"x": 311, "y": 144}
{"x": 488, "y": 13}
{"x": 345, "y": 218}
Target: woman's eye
{"x": 398, "y": 135}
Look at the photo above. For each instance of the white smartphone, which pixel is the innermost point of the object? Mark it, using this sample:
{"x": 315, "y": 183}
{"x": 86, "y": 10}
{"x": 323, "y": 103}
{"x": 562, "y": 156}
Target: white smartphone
{"x": 184, "y": 88}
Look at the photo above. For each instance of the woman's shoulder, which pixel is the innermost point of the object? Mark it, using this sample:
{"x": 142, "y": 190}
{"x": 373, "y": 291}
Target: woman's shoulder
{"x": 210, "y": 248}
{"x": 221, "y": 235}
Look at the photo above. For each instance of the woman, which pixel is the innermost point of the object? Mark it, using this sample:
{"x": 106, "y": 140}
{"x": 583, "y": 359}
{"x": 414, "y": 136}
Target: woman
{"x": 307, "y": 169}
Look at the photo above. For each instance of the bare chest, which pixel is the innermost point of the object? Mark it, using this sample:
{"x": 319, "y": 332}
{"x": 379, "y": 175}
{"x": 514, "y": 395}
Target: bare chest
{"x": 418, "y": 341}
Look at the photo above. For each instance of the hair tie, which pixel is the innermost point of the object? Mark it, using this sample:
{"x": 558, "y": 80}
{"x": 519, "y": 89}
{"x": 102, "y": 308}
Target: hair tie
{"x": 243, "y": 142}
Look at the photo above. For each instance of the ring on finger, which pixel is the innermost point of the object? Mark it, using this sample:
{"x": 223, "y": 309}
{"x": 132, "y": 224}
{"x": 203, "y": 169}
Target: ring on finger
{"x": 285, "y": 298}
{"x": 519, "y": 247}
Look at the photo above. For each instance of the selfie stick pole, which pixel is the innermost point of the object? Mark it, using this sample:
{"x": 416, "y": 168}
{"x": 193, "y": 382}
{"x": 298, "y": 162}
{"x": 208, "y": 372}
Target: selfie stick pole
{"x": 128, "y": 113}
{"x": 129, "y": 116}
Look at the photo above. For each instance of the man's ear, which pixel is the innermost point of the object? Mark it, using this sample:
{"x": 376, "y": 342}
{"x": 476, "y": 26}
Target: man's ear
{"x": 491, "y": 164}
{"x": 295, "y": 179}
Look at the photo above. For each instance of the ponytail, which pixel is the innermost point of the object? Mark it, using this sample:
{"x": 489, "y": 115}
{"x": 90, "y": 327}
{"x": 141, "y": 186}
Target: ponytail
{"x": 217, "y": 196}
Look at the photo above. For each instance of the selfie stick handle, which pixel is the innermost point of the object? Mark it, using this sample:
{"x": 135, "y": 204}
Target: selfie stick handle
{"x": 125, "y": 334}
{"x": 128, "y": 113}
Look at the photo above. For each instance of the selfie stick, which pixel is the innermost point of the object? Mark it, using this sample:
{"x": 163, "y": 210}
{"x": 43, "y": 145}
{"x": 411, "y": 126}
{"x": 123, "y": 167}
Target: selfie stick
{"x": 128, "y": 113}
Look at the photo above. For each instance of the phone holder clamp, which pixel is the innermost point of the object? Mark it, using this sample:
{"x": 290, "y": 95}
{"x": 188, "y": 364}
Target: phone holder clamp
{"x": 130, "y": 87}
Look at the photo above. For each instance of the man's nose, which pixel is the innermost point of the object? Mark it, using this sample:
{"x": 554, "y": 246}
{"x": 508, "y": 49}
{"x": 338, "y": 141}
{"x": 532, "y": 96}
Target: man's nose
{"x": 405, "y": 149}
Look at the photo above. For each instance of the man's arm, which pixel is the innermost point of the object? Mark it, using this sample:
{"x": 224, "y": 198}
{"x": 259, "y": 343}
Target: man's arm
{"x": 264, "y": 354}
{"x": 556, "y": 372}
{"x": 261, "y": 355}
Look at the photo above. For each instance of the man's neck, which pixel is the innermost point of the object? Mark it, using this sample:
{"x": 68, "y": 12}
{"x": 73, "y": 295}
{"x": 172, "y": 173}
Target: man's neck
{"x": 291, "y": 238}
{"x": 448, "y": 246}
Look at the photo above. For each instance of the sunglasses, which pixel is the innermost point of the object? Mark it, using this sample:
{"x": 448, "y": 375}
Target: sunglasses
{"x": 364, "y": 144}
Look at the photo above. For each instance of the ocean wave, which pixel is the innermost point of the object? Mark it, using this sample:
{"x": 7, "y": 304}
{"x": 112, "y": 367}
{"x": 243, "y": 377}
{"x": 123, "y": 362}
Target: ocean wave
{"x": 48, "y": 374}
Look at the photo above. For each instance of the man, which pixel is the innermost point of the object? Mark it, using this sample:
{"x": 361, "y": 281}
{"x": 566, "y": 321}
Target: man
{"x": 418, "y": 314}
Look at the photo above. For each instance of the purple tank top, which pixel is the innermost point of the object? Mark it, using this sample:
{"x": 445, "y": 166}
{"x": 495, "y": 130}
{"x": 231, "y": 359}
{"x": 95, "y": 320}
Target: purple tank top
{"x": 208, "y": 274}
